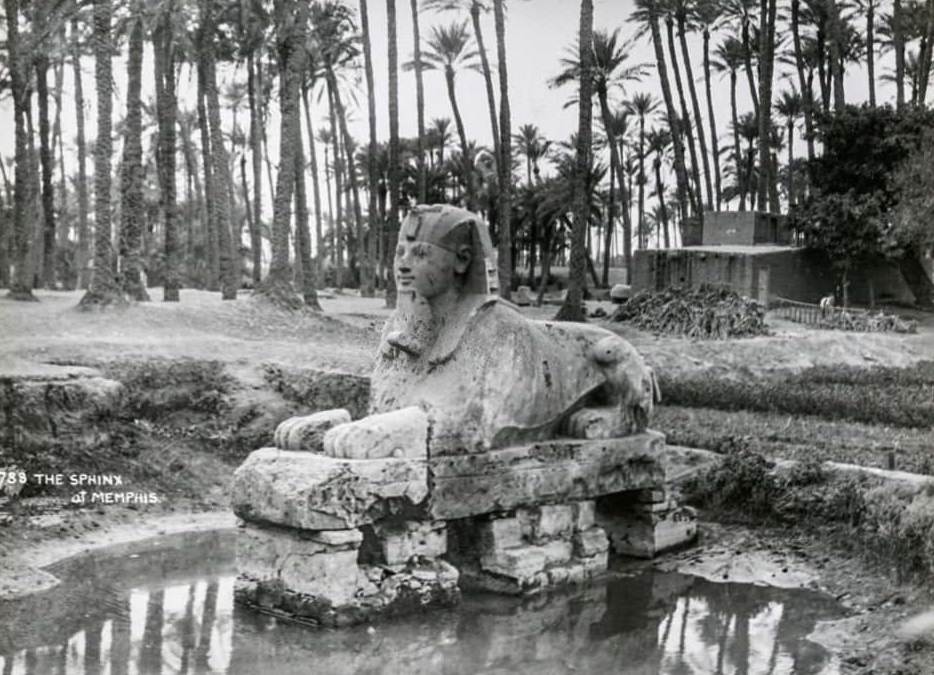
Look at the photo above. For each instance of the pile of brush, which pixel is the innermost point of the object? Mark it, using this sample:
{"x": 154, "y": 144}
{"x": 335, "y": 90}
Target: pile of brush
{"x": 704, "y": 313}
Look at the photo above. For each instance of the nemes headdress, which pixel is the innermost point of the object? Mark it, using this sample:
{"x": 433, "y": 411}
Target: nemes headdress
{"x": 440, "y": 225}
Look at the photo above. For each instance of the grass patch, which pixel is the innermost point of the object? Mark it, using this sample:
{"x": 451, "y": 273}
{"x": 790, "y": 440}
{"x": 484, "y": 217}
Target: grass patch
{"x": 797, "y": 437}
{"x": 891, "y": 523}
{"x": 900, "y": 397}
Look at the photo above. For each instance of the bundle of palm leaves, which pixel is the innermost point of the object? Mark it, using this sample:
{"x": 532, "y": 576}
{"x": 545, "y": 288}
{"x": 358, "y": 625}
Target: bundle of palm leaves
{"x": 704, "y": 313}
{"x": 879, "y": 322}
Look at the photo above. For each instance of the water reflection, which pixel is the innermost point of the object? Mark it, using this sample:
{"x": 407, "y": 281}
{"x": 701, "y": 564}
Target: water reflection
{"x": 171, "y": 610}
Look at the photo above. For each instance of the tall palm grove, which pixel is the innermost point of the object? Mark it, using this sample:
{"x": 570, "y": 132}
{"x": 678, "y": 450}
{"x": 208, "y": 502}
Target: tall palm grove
{"x": 225, "y": 158}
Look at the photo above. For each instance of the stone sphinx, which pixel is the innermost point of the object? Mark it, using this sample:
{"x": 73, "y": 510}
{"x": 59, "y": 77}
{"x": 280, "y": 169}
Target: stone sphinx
{"x": 497, "y": 452}
{"x": 486, "y": 376}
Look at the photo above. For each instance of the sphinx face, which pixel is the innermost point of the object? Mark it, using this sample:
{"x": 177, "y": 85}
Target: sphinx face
{"x": 425, "y": 269}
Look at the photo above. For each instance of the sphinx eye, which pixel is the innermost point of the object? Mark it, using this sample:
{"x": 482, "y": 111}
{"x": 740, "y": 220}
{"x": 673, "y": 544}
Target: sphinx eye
{"x": 419, "y": 251}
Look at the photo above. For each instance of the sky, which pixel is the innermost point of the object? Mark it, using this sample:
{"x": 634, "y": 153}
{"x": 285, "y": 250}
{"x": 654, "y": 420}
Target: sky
{"x": 538, "y": 35}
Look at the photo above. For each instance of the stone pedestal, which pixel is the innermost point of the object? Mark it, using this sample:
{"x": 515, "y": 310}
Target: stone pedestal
{"x": 646, "y": 523}
{"x": 531, "y": 549}
{"x": 321, "y": 576}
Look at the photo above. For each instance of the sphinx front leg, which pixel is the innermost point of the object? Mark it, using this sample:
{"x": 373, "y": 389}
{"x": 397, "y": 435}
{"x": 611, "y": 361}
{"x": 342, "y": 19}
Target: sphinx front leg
{"x": 398, "y": 433}
{"x": 306, "y": 432}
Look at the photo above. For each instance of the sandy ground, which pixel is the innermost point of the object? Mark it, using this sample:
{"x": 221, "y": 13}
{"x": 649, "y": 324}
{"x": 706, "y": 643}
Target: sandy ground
{"x": 344, "y": 337}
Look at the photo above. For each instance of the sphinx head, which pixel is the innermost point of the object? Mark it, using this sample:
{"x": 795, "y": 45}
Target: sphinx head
{"x": 442, "y": 249}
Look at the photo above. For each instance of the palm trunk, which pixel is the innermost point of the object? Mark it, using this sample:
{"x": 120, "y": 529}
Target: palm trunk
{"x": 462, "y": 136}
{"x": 392, "y": 226}
{"x": 804, "y": 86}
{"x": 695, "y": 106}
{"x": 194, "y": 198}
{"x": 315, "y": 189}
{"x": 132, "y": 177}
{"x": 641, "y": 205}
{"x": 228, "y": 255}
{"x": 58, "y": 144}
{"x": 694, "y": 191}
{"x": 420, "y": 104}
{"x": 924, "y": 59}
{"x": 47, "y": 163}
{"x": 261, "y": 91}
{"x": 663, "y": 210}
{"x": 103, "y": 289}
{"x": 256, "y": 239}
{"x": 608, "y": 233}
{"x": 167, "y": 107}
{"x": 21, "y": 283}
{"x": 870, "y": 50}
{"x": 673, "y": 124}
{"x": 487, "y": 80}
{"x": 338, "y": 225}
{"x": 371, "y": 168}
{"x": 212, "y": 282}
{"x": 278, "y": 283}
{"x": 898, "y": 39}
{"x": 505, "y": 260}
{"x": 836, "y": 55}
{"x": 84, "y": 233}
{"x": 621, "y": 180}
{"x": 747, "y": 62}
{"x": 714, "y": 142}
{"x": 766, "y": 61}
{"x": 302, "y": 235}
{"x": 737, "y": 147}
{"x": 363, "y": 269}
{"x": 573, "y": 307}
{"x": 791, "y": 163}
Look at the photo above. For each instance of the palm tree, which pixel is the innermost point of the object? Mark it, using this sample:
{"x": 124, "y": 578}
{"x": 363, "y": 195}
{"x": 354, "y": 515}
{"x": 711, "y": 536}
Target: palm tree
{"x": 505, "y": 157}
{"x": 534, "y": 147}
{"x": 804, "y": 83}
{"x": 290, "y": 20}
{"x": 103, "y": 289}
{"x": 163, "y": 38}
{"x": 572, "y": 308}
{"x": 315, "y": 189}
{"x": 748, "y": 130}
{"x": 21, "y": 285}
{"x": 686, "y": 14}
{"x": 41, "y": 26}
{"x": 648, "y": 14}
{"x": 372, "y": 208}
{"x": 132, "y": 177}
{"x": 707, "y": 14}
{"x": 766, "y": 66}
{"x": 84, "y": 233}
{"x": 449, "y": 49}
{"x": 420, "y": 103}
{"x": 790, "y": 107}
{"x": 742, "y": 14}
{"x": 642, "y": 105}
{"x": 729, "y": 58}
{"x": 609, "y": 70}
{"x": 392, "y": 231}
{"x": 659, "y": 142}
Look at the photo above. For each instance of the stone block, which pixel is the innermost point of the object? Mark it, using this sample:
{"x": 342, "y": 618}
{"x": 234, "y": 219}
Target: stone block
{"x": 651, "y": 496}
{"x": 314, "y": 492}
{"x": 336, "y": 538}
{"x": 560, "y": 470}
{"x": 497, "y": 534}
{"x": 584, "y": 514}
{"x": 523, "y": 296}
{"x": 329, "y": 573}
{"x": 399, "y": 433}
{"x": 307, "y": 432}
{"x": 557, "y": 551}
{"x": 620, "y": 292}
{"x": 644, "y": 535}
{"x": 518, "y": 563}
{"x": 400, "y": 542}
{"x": 590, "y": 542}
{"x": 551, "y": 521}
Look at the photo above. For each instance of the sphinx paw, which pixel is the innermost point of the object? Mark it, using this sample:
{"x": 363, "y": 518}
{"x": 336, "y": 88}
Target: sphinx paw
{"x": 399, "y": 433}
{"x": 307, "y": 432}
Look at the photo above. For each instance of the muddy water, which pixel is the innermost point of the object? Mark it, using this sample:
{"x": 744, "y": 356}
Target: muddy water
{"x": 167, "y": 607}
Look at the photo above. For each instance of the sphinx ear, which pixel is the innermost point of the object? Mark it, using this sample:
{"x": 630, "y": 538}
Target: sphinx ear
{"x": 464, "y": 258}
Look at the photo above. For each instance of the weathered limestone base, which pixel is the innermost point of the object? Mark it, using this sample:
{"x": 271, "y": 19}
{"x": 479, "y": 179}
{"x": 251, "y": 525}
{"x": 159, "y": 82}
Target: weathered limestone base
{"x": 530, "y": 549}
{"x": 318, "y": 575}
{"x": 646, "y": 523}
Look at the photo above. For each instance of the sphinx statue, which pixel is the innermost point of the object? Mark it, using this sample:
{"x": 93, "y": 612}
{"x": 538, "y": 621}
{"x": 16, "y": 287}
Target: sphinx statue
{"x": 497, "y": 452}
{"x": 485, "y": 375}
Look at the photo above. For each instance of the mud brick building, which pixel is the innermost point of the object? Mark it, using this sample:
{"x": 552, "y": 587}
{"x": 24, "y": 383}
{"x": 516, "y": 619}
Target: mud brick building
{"x": 756, "y": 255}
